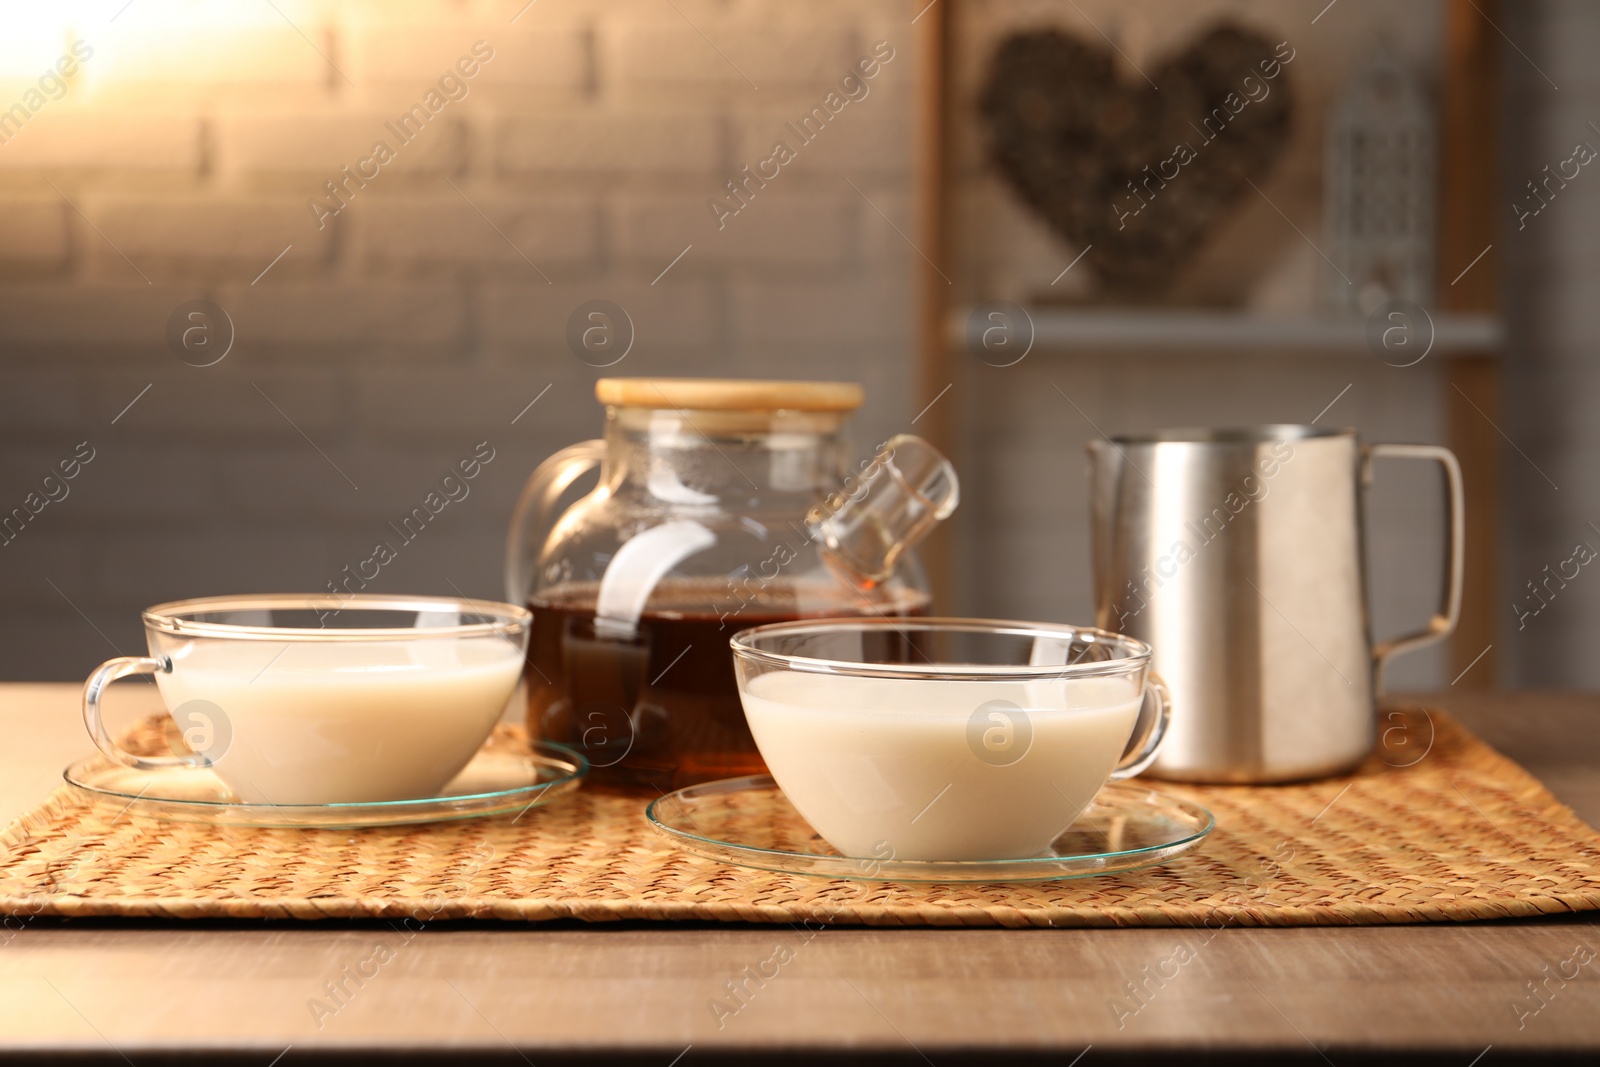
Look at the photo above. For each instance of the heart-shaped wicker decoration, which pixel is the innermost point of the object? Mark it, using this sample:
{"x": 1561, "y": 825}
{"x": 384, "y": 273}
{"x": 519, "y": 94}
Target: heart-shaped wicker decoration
{"x": 1139, "y": 172}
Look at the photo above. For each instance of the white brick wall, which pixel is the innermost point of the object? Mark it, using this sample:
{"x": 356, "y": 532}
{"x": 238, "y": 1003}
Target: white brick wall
{"x": 643, "y": 141}
{"x": 391, "y": 54}
{"x": 408, "y": 328}
{"x": 724, "y": 56}
{"x": 312, "y": 147}
{"x": 255, "y": 48}
{"x": 196, "y": 235}
{"x": 497, "y": 232}
{"x": 778, "y": 229}
{"x": 847, "y": 310}
{"x": 523, "y": 317}
{"x": 300, "y": 321}
{"x": 870, "y": 138}
{"x": 83, "y": 321}
{"x": 61, "y": 139}
{"x": 35, "y": 237}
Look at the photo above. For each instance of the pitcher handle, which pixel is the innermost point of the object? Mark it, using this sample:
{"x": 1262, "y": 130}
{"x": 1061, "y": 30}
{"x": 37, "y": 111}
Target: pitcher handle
{"x": 1443, "y": 621}
{"x": 549, "y": 480}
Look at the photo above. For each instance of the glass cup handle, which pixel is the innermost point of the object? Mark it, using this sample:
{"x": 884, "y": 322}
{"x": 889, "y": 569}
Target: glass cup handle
{"x": 104, "y": 675}
{"x": 1142, "y": 748}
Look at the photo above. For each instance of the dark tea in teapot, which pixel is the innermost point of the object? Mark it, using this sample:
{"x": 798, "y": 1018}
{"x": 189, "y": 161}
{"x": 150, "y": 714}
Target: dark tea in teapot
{"x": 661, "y": 709}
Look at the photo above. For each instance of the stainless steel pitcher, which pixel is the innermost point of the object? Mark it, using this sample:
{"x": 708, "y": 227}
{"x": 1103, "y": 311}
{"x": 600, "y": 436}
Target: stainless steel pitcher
{"x": 1238, "y": 555}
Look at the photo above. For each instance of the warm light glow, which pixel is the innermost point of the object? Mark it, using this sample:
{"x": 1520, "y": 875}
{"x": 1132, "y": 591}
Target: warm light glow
{"x": 35, "y": 35}
{"x": 142, "y": 39}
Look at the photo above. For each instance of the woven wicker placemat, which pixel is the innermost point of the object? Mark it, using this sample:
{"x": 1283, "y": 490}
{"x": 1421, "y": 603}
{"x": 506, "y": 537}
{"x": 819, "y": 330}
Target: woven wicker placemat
{"x": 1461, "y": 833}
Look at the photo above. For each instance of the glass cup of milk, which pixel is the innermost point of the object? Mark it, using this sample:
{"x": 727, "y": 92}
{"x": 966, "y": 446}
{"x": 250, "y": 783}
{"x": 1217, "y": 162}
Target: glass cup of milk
{"x": 946, "y": 739}
{"x": 318, "y": 699}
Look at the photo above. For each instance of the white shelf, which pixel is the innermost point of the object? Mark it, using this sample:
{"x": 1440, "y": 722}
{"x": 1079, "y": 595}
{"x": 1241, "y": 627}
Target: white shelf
{"x": 1164, "y": 331}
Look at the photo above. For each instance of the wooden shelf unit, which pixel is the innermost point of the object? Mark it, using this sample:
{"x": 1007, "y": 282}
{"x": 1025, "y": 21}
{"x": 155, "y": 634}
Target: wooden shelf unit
{"x": 1466, "y": 316}
{"x": 1166, "y": 329}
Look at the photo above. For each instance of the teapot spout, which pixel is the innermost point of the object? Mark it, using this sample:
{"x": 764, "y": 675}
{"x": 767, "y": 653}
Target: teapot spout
{"x": 902, "y": 493}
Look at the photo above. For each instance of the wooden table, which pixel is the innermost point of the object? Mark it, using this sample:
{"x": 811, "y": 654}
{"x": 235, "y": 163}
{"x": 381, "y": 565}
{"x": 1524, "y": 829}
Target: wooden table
{"x": 144, "y": 992}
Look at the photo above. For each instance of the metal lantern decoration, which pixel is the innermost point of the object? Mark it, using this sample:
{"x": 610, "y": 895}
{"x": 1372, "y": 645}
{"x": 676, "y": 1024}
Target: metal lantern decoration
{"x": 1379, "y": 196}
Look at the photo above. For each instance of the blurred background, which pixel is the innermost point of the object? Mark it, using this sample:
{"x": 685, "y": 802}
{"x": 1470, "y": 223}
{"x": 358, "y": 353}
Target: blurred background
{"x": 271, "y": 339}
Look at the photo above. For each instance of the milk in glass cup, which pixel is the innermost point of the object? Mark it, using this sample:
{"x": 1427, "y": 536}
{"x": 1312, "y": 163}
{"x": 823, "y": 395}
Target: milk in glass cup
{"x": 946, "y": 739}
{"x": 320, "y": 699}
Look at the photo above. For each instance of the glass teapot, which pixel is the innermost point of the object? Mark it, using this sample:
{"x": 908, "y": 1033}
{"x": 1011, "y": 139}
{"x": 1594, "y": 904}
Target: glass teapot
{"x": 720, "y": 505}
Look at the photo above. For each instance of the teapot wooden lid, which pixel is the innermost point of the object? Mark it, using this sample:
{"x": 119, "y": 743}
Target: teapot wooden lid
{"x": 728, "y": 394}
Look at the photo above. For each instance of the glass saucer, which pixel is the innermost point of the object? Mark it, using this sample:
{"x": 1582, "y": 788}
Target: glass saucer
{"x": 498, "y": 781}
{"x": 748, "y": 822}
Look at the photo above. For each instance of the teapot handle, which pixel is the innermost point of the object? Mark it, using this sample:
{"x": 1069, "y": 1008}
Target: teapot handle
{"x": 1444, "y": 620}
{"x": 549, "y": 480}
